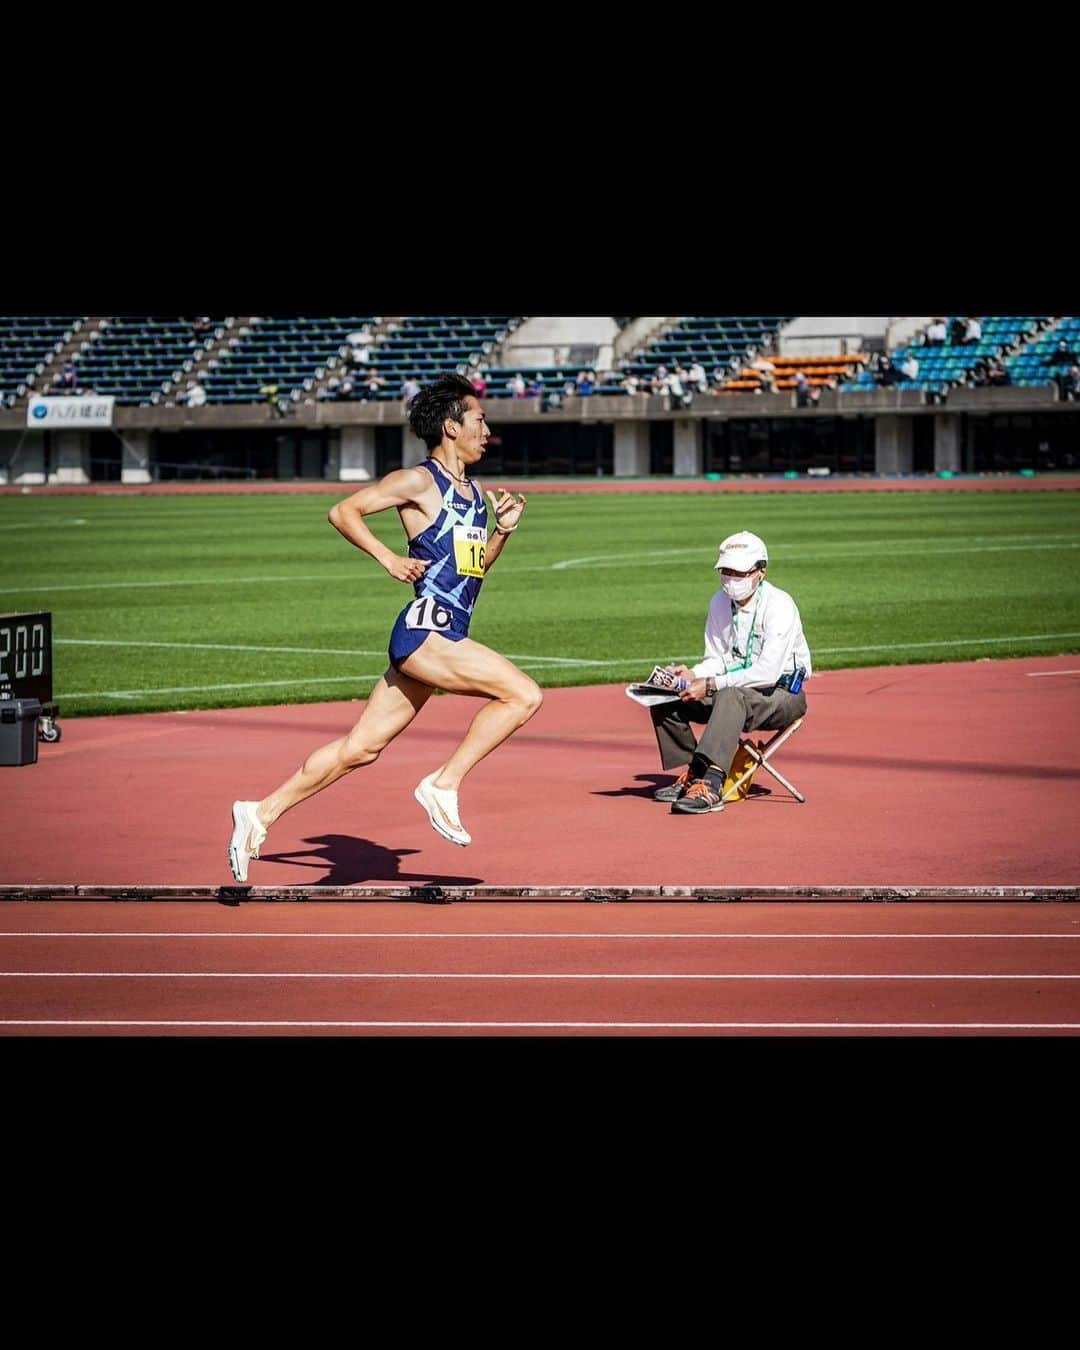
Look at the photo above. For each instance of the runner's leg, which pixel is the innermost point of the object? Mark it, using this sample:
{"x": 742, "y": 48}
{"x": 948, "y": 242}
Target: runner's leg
{"x": 394, "y": 702}
{"x": 468, "y": 667}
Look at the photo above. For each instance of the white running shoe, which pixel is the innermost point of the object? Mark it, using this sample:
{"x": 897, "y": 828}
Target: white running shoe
{"x": 441, "y": 804}
{"x": 248, "y": 833}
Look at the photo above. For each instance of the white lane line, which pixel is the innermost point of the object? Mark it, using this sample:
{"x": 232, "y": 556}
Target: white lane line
{"x": 599, "y": 1026}
{"x": 457, "y": 975}
{"x": 597, "y": 560}
{"x": 219, "y": 647}
{"x": 561, "y": 662}
{"x": 838, "y": 555}
{"x": 180, "y": 581}
{"x": 1041, "y": 674}
{"x": 650, "y": 937}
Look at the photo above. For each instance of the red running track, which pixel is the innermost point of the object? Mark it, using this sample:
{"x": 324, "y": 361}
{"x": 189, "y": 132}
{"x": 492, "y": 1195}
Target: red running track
{"x": 570, "y": 969}
{"x": 944, "y": 775}
{"x": 936, "y": 775}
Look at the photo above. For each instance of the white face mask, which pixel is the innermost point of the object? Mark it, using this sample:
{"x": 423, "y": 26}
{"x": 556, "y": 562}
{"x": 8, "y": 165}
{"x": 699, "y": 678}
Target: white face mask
{"x": 738, "y": 588}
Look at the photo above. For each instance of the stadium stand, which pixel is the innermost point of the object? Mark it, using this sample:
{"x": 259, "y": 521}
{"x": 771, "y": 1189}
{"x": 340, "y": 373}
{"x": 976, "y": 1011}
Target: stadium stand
{"x": 425, "y": 345}
{"x": 820, "y": 371}
{"x": 139, "y": 359}
{"x": 26, "y": 346}
{"x": 1033, "y": 365}
{"x": 711, "y": 341}
{"x": 286, "y": 356}
{"x": 950, "y": 364}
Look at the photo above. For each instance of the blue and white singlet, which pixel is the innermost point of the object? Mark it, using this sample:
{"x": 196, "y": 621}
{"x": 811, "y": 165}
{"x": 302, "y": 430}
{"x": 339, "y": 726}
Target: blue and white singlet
{"x": 454, "y": 546}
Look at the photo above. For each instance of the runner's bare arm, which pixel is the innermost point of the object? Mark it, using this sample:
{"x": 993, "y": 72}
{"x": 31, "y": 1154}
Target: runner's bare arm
{"x": 398, "y": 488}
{"x": 506, "y": 510}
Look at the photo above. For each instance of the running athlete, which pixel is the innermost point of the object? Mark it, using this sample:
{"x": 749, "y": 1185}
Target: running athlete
{"x": 453, "y": 540}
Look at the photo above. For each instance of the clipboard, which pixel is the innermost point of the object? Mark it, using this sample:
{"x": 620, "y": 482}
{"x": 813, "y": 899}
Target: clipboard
{"x": 649, "y": 695}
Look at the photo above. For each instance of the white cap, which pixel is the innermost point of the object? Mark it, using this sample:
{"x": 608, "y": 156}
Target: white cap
{"x": 742, "y": 551}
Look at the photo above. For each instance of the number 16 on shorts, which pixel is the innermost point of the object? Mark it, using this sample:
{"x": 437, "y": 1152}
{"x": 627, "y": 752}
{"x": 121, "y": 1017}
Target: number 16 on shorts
{"x": 429, "y": 614}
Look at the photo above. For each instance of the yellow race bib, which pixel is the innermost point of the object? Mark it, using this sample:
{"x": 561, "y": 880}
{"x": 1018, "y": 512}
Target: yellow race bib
{"x": 470, "y": 547}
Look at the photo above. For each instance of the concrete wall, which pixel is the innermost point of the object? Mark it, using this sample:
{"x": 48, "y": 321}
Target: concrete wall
{"x": 893, "y": 444}
{"x": 135, "y": 457}
{"x": 539, "y": 340}
{"x": 22, "y": 457}
{"x": 947, "y": 449}
{"x": 631, "y": 449}
{"x": 818, "y": 336}
{"x": 689, "y": 448}
{"x": 70, "y": 454}
{"x": 356, "y": 454}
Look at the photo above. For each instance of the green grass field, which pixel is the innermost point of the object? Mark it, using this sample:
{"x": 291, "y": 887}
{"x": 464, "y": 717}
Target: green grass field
{"x": 216, "y": 601}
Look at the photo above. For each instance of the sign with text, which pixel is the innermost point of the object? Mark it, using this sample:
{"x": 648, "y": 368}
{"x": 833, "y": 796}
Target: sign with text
{"x": 90, "y": 410}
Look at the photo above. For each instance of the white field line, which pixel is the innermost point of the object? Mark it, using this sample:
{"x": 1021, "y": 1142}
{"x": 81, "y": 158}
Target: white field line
{"x": 563, "y": 662}
{"x": 1041, "y": 674}
{"x": 560, "y": 937}
{"x": 899, "y": 549}
{"x": 44, "y": 524}
{"x": 459, "y": 975}
{"x": 584, "y": 1026}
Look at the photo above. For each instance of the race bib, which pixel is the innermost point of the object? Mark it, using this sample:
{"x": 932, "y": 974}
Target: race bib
{"x": 428, "y": 614}
{"x": 470, "y": 546}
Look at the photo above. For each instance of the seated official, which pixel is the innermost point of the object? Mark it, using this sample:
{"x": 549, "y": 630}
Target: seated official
{"x": 754, "y": 649}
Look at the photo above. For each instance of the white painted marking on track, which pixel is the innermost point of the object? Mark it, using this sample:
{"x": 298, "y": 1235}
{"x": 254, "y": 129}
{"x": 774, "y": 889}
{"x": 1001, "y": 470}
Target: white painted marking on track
{"x": 466, "y": 975}
{"x": 409, "y": 936}
{"x": 599, "y": 1026}
{"x": 1041, "y": 674}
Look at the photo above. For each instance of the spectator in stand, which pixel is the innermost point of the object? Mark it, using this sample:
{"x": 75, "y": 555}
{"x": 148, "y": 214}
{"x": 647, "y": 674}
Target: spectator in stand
{"x": 996, "y": 372}
{"x": 936, "y": 333}
{"x": 476, "y": 379}
{"x": 1072, "y": 386}
{"x": 697, "y": 379}
{"x": 371, "y": 386}
{"x": 764, "y": 369}
{"x": 409, "y": 389}
{"x": 734, "y": 366}
{"x": 360, "y": 346}
{"x": 909, "y": 367}
{"x": 69, "y": 379}
{"x": 194, "y": 395}
{"x": 630, "y": 384}
{"x": 680, "y": 395}
{"x": 977, "y": 377}
{"x": 586, "y": 382}
{"x": 806, "y": 396}
{"x": 658, "y": 384}
{"x": 515, "y": 385}
{"x": 202, "y": 328}
{"x": 346, "y": 387}
{"x": 973, "y": 331}
{"x": 537, "y": 386}
{"x": 957, "y": 330}
{"x": 1062, "y": 359}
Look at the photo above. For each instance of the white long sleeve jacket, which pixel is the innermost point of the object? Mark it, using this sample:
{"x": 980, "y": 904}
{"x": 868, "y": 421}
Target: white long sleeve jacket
{"x": 756, "y": 644}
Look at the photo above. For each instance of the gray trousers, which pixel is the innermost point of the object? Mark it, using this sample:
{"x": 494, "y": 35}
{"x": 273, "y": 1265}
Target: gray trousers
{"x": 727, "y": 713}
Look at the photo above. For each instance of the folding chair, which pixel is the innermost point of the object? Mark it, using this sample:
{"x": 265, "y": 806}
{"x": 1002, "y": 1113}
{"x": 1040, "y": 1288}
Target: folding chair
{"x": 759, "y": 756}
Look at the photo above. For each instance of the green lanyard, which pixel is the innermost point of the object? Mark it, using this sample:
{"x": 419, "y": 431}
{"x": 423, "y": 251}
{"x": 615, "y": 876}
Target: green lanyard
{"x": 735, "y": 628}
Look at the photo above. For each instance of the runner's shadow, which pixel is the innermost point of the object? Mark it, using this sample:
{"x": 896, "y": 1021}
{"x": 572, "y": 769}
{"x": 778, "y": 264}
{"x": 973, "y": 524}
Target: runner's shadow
{"x": 352, "y": 861}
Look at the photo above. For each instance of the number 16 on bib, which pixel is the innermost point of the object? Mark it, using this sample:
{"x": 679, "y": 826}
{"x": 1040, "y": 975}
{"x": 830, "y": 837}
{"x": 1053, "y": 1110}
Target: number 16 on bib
{"x": 428, "y": 614}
